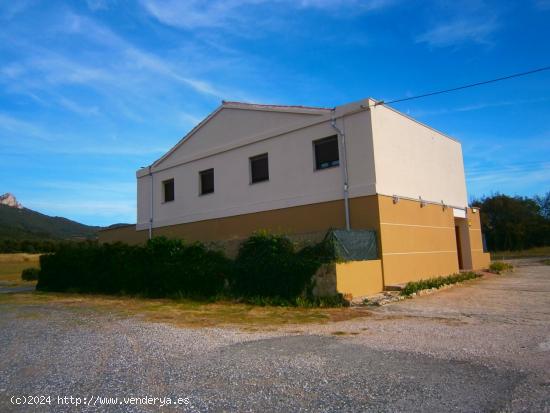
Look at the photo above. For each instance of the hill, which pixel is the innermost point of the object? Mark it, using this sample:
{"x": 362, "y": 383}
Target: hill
{"x": 19, "y": 223}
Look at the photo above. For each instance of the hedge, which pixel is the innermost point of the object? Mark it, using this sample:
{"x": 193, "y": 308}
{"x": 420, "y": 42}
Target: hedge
{"x": 30, "y": 274}
{"x": 266, "y": 266}
{"x": 161, "y": 268}
{"x": 437, "y": 282}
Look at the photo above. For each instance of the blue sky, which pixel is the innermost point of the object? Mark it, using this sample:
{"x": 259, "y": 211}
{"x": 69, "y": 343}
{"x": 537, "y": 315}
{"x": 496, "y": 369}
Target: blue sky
{"x": 91, "y": 91}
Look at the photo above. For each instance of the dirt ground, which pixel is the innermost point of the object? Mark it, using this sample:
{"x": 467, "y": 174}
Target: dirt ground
{"x": 480, "y": 346}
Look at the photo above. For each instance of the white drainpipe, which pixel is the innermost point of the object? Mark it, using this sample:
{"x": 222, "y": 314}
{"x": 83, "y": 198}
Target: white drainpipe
{"x": 152, "y": 203}
{"x": 345, "y": 165}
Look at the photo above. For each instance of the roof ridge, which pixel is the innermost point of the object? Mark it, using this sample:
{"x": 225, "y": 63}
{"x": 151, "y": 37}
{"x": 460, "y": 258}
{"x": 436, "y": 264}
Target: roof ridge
{"x": 224, "y": 102}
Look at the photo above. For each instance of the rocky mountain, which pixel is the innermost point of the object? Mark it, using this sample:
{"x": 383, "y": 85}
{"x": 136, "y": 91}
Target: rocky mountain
{"x": 9, "y": 200}
{"x": 20, "y": 223}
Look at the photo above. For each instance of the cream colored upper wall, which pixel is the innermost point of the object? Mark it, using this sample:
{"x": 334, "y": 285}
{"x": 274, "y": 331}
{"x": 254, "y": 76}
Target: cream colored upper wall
{"x": 293, "y": 178}
{"x": 230, "y": 125}
{"x": 414, "y": 160}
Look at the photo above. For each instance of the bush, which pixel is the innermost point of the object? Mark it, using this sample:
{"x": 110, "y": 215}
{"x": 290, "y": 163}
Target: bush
{"x": 267, "y": 271}
{"x": 161, "y": 268}
{"x": 498, "y": 267}
{"x": 30, "y": 274}
{"x": 303, "y": 302}
{"x": 414, "y": 286}
{"x": 267, "y": 265}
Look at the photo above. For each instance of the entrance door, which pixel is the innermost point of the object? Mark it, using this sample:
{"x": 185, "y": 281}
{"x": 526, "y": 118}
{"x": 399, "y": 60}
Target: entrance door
{"x": 459, "y": 247}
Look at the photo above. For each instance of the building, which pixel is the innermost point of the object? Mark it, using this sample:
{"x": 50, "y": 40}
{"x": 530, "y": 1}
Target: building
{"x": 302, "y": 171}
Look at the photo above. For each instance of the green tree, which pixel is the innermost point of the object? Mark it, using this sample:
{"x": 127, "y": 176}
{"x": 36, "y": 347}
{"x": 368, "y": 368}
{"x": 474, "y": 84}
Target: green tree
{"x": 514, "y": 223}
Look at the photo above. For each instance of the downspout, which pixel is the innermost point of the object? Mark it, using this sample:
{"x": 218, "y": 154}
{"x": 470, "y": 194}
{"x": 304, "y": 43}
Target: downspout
{"x": 151, "y": 206}
{"x": 345, "y": 165}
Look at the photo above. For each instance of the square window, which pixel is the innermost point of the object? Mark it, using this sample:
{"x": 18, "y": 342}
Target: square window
{"x": 168, "y": 189}
{"x": 259, "y": 168}
{"x": 206, "y": 181}
{"x": 326, "y": 152}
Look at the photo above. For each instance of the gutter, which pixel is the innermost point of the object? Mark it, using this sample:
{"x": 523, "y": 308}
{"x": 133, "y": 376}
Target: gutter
{"x": 345, "y": 165}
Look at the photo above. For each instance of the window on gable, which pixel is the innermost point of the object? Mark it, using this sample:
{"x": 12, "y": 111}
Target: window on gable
{"x": 259, "y": 168}
{"x": 206, "y": 181}
{"x": 326, "y": 152}
{"x": 168, "y": 190}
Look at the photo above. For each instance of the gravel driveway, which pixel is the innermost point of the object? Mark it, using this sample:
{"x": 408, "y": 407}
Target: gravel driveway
{"x": 482, "y": 346}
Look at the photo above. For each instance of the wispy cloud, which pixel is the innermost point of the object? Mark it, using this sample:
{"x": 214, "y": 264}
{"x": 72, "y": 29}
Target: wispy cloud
{"x": 10, "y": 9}
{"x": 228, "y": 13}
{"x": 453, "y": 33}
{"x": 542, "y": 4}
{"x": 473, "y": 107}
{"x": 95, "y": 5}
{"x": 78, "y": 108}
{"x": 13, "y": 125}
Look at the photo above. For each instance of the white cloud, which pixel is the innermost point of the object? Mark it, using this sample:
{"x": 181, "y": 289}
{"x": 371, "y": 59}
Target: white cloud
{"x": 542, "y": 4}
{"x": 95, "y": 5}
{"x": 194, "y": 14}
{"x": 78, "y": 108}
{"x": 10, "y": 9}
{"x": 19, "y": 127}
{"x": 460, "y": 31}
{"x": 473, "y": 107}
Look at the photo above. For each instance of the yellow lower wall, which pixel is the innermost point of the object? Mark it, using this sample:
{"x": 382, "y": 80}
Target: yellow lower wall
{"x": 126, "y": 234}
{"x": 417, "y": 241}
{"x": 481, "y": 260}
{"x": 414, "y": 241}
{"x": 359, "y": 278}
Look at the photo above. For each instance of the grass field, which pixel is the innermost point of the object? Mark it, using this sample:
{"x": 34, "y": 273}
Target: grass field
{"x": 187, "y": 313}
{"x": 11, "y": 266}
{"x": 530, "y": 253}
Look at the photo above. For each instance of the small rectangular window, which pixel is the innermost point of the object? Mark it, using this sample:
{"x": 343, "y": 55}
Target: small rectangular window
{"x": 326, "y": 152}
{"x": 168, "y": 189}
{"x": 207, "y": 181}
{"x": 259, "y": 168}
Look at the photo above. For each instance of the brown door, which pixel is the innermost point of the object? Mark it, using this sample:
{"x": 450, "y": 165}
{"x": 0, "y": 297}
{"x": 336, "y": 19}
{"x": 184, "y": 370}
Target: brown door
{"x": 459, "y": 247}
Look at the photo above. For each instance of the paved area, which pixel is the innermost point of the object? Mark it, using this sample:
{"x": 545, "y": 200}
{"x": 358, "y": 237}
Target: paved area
{"x": 19, "y": 289}
{"x": 482, "y": 346}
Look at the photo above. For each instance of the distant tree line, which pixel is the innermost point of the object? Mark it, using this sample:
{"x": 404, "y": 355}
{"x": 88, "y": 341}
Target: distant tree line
{"x": 515, "y": 223}
{"x": 35, "y": 246}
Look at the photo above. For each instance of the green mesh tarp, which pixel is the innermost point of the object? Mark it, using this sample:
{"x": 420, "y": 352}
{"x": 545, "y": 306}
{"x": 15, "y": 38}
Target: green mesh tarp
{"x": 355, "y": 245}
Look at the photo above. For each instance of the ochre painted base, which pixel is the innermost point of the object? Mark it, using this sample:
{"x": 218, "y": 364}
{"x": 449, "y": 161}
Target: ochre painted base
{"x": 415, "y": 241}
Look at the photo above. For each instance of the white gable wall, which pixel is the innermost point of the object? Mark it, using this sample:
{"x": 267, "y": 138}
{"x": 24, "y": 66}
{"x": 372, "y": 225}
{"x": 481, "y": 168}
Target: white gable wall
{"x": 230, "y": 125}
{"x": 293, "y": 179}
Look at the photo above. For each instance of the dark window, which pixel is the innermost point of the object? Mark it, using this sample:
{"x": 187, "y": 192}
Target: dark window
{"x": 259, "y": 168}
{"x": 168, "y": 187}
{"x": 207, "y": 181}
{"x": 326, "y": 152}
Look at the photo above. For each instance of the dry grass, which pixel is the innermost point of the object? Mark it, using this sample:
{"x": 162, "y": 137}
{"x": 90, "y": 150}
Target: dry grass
{"x": 11, "y": 266}
{"x": 533, "y": 252}
{"x": 188, "y": 313}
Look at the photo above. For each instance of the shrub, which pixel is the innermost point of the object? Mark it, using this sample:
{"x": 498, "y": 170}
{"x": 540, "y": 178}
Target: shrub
{"x": 267, "y": 271}
{"x": 414, "y": 286}
{"x": 267, "y": 265}
{"x": 30, "y": 274}
{"x": 498, "y": 267}
{"x": 303, "y": 302}
{"x": 161, "y": 268}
